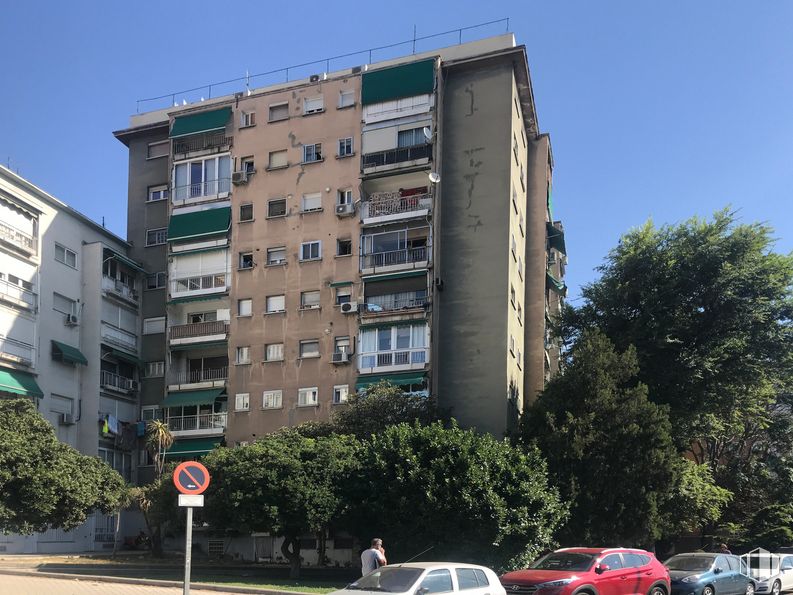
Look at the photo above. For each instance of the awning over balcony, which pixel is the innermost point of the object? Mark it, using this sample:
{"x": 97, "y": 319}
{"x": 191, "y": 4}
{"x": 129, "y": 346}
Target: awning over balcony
{"x": 196, "y": 298}
{"x": 126, "y": 357}
{"x": 200, "y": 122}
{"x": 197, "y": 345}
{"x": 199, "y": 224}
{"x": 340, "y": 283}
{"x": 124, "y": 260}
{"x": 405, "y": 275}
{"x": 67, "y": 354}
{"x": 192, "y": 397}
{"x": 395, "y": 379}
{"x": 192, "y": 448}
{"x": 19, "y": 383}
{"x": 406, "y": 80}
{"x": 555, "y": 237}
{"x": 554, "y": 284}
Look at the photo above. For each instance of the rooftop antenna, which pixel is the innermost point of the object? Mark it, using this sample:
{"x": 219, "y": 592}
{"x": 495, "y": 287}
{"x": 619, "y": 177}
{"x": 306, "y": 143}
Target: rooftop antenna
{"x": 247, "y": 81}
{"x": 414, "y": 38}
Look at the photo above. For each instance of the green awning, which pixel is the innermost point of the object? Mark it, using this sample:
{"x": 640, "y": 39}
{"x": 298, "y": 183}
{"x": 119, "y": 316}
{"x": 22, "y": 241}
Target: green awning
{"x": 200, "y": 122}
{"x": 413, "y": 322}
{"x": 19, "y": 383}
{"x": 126, "y": 357}
{"x": 554, "y": 284}
{"x": 555, "y": 237}
{"x": 199, "y": 224}
{"x": 198, "y": 298}
{"x": 124, "y": 260}
{"x": 192, "y": 448}
{"x": 404, "y": 275}
{"x": 67, "y": 354}
{"x": 406, "y": 80}
{"x": 340, "y": 283}
{"x": 395, "y": 379}
{"x": 196, "y": 345}
{"x": 192, "y": 397}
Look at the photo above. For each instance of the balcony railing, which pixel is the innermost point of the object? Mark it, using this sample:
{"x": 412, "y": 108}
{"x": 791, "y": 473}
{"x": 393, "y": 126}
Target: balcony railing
{"x": 384, "y": 204}
{"x": 210, "y": 188}
{"x": 120, "y": 288}
{"x": 196, "y": 376}
{"x": 117, "y": 336}
{"x": 401, "y": 358}
{"x": 202, "y": 142}
{"x": 199, "y": 329}
{"x": 19, "y": 238}
{"x": 394, "y": 257}
{"x": 17, "y": 351}
{"x": 118, "y": 382}
{"x": 20, "y": 294}
{"x": 394, "y": 301}
{"x": 210, "y": 283}
{"x": 393, "y": 156}
{"x": 203, "y": 421}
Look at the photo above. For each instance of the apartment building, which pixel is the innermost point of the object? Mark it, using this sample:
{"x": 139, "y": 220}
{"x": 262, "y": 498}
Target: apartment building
{"x": 69, "y": 326}
{"x": 307, "y": 239}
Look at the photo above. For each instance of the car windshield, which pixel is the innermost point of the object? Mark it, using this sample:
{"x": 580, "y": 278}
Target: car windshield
{"x": 387, "y": 579}
{"x": 692, "y": 563}
{"x": 564, "y": 561}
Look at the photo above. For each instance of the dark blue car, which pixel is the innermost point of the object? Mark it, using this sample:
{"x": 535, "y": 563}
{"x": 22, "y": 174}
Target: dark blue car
{"x": 709, "y": 574}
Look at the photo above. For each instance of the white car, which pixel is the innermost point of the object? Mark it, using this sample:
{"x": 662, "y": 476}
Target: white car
{"x": 426, "y": 578}
{"x": 773, "y": 573}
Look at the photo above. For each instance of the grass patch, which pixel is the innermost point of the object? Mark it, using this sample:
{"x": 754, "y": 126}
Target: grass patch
{"x": 304, "y": 586}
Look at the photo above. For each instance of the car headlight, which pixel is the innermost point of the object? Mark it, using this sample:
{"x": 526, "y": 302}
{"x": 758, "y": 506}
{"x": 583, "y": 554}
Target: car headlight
{"x": 560, "y": 583}
{"x": 691, "y": 579}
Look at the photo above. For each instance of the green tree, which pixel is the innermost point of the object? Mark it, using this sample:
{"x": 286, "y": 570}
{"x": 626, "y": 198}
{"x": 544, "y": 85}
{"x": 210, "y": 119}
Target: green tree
{"x": 44, "y": 482}
{"x": 469, "y": 496}
{"x": 609, "y": 449}
{"x": 158, "y": 502}
{"x": 284, "y": 483}
{"x": 158, "y": 440}
{"x": 772, "y": 527}
{"x": 695, "y": 500}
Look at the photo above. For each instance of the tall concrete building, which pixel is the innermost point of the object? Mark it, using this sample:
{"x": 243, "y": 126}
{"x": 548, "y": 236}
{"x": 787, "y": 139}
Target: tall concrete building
{"x": 304, "y": 240}
{"x": 69, "y": 327}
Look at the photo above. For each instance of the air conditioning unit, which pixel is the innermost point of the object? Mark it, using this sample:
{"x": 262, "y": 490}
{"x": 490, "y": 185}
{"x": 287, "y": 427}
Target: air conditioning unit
{"x": 239, "y": 177}
{"x": 133, "y": 385}
{"x": 340, "y": 357}
{"x": 349, "y": 308}
{"x": 345, "y": 210}
{"x": 314, "y": 78}
{"x": 71, "y": 320}
{"x": 67, "y": 419}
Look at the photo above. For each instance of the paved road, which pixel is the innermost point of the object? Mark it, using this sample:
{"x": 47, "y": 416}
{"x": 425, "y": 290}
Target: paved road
{"x": 36, "y": 585}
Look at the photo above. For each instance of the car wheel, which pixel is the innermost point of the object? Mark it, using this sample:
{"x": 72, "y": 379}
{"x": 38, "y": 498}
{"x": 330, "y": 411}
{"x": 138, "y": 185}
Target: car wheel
{"x": 657, "y": 590}
{"x": 776, "y": 588}
{"x": 750, "y": 589}
{"x": 708, "y": 591}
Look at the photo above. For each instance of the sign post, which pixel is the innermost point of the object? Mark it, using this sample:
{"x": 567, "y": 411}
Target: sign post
{"x": 191, "y": 479}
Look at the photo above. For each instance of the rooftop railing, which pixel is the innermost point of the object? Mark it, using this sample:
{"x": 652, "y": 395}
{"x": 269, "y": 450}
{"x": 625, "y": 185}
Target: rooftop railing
{"x": 202, "y": 142}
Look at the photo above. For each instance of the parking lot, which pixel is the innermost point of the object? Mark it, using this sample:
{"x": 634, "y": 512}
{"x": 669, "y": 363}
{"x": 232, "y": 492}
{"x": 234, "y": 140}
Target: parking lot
{"x": 36, "y": 585}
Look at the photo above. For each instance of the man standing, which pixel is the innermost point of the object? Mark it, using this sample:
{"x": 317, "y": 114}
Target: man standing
{"x": 373, "y": 558}
{"x": 723, "y": 549}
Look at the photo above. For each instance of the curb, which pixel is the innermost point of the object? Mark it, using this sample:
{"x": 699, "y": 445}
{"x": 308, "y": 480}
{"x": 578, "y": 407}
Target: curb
{"x": 147, "y": 582}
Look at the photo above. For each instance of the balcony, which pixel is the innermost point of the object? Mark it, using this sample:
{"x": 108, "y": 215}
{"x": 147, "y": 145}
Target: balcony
{"x": 121, "y": 338}
{"x": 200, "y": 285}
{"x": 201, "y": 191}
{"x": 408, "y": 258}
{"x": 393, "y": 361}
{"x": 217, "y": 141}
{"x": 199, "y": 332}
{"x": 203, "y": 378}
{"x": 18, "y": 238}
{"x": 119, "y": 289}
{"x": 15, "y": 295}
{"x": 118, "y": 383}
{"x": 203, "y": 423}
{"x": 15, "y": 351}
{"x": 395, "y": 158}
{"x": 382, "y": 207}
{"x": 410, "y": 300}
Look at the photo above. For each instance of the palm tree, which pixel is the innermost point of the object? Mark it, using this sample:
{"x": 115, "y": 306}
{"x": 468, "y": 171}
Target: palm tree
{"x": 158, "y": 440}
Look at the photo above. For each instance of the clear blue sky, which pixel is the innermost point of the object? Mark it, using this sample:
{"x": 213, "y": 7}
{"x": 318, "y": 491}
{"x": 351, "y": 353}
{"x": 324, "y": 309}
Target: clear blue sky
{"x": 658, "y": 110}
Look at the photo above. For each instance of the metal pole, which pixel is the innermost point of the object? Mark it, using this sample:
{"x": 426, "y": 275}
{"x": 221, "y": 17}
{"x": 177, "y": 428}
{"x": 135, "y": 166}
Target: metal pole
{"x": 188, "y": 546}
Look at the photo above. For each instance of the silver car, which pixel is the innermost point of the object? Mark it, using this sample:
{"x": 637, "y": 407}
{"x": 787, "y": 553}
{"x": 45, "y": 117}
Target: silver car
{"x": 773, "y": 573}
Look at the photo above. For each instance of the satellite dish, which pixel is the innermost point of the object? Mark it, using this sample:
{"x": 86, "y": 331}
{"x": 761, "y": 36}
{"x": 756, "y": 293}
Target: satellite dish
{"x": 427, "y": 133}
{"x": 434, "y": 177}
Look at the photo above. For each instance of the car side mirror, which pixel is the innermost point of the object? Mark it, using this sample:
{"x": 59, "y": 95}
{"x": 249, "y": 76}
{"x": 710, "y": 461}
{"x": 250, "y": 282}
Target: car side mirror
{"x": 422, "y": 591}
{"x": 601, "y": 568}
{"x": 717, "y": 571}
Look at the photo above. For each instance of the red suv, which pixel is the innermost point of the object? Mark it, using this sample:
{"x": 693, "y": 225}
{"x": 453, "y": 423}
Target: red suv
{"x": 591, "y": 571}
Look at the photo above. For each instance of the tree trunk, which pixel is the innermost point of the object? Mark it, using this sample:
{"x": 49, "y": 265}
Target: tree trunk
{"x": 115, "y": 533}
{"x": 322, "y": 547}
{"x": 293, "y": 555}
{"x": 156, "y": 542}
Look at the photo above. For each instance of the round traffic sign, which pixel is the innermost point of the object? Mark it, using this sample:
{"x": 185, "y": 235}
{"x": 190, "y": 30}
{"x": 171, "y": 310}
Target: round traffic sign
{"x": 191, "y": 477}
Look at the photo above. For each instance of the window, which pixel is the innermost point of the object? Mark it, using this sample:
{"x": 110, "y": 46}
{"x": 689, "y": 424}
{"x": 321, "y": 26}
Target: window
{"x": 344, "y": 197}
{"x": 340, "y": 393}
{"x": 271, "y": 399}
{"x": 310, "y": 251}
{"x": 199, "y": 317}
{"x": 520, "y": 360}
{"x": 207, "y": 177}
{"x": 158, "y": 149}
{"x": 520, "y": 225}
{"x": 313, "y": 105}
{"x": 245, "y": 307}
{"x": 247, "y": 165}
{"x": 309, "y": 348}
{"x": 514, "y": 246}
{"x": 347, "y": 98}
{"x": 149, "y": 412}
{"x": 276, "y": 207}
{"x": 311, "y": 202}
{"x": 278, "y": 112}
{"x": 343, "y": 295}
{"x": 246, "y": 260}
{"x": 243, "y": 355}
{"x": 276, "y": 303}
{"x": 613, "y": 561}
{"x": 520, "y": 315}
{"x": 154, "y": 369}
{"x": 411, "y": 138}
{"x": 343, "y": 247}
{"x": 64, "y": 305}
{"x": 247, "y": 119}
{"x": 342, "y": 345}
{"x": 515, "y": 147}
{"x": 66, "y": 256}
{"x": 437, "y": 581}
{"x": 153, "y": 326}
{"x": 345, "y": 147}
{"x": 156, "y": 237}
{"x": 274, "y": 352}
{"x": 515, "y": 199}
{"x": 312, "y": 153}
{"x": 277, "y": 159}
{"x": 307, "y": 397}
{"x": 512, "y": 295}
{"x": 242, "y": 401}
{"x": 309, "y": 299}
{"x": 394, "y": 346}
{"x": 157, "y": 193}
{"x": 481, "y": 577}
{"x": 276, "y": 255}
{"x": 246, "y": 212}
{"x": 520, "y": 267}
{"x": 512, "y": 345}
{"x": 156, "y": 280}
{"x": 466, "y": 579}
